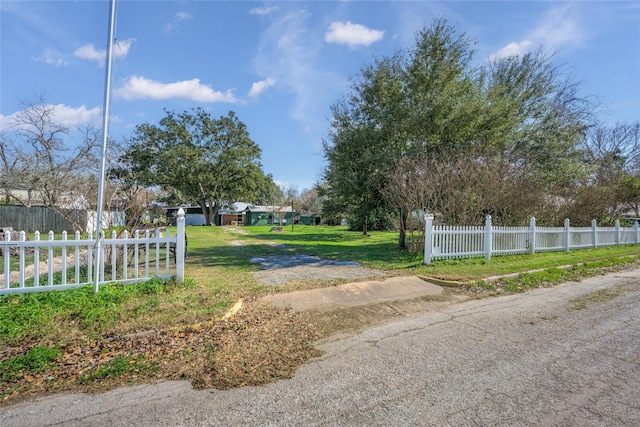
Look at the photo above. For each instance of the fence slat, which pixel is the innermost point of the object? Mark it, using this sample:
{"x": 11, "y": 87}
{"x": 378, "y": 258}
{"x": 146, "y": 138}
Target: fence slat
{"x": 7, "y": 259}
{"x": 83, "y": 251}
{"x": 442, "y": 242}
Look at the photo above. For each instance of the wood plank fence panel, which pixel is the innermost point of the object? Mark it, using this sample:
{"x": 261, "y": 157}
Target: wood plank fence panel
{"x": 42, "y": 218}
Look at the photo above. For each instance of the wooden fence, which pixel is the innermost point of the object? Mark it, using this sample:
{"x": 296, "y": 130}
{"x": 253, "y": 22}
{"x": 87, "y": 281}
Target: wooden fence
{"x": 35, "y": 218}
{"x": 444, "y": 242}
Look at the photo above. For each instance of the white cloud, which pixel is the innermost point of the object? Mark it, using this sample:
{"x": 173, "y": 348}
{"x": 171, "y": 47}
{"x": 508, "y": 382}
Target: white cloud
{"x": 513, "y": 49}
{"x": 290, "y": 52}
{"x": 48, "y": 57}
{"x": 136, "y": 87}
{"x": 61, "y": 115}
{"x": 352, "y": 34}
{"x": 262, "y": 11}
{"x": 558, "y": 28}
{"x": 70, "y": 116}
{"x": 178, "y": 18}
{"x": 258, "y": 88}
{"x": 89, "y": 52}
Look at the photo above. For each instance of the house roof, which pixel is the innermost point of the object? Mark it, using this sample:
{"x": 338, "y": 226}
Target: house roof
{"x": 281, "y": 209}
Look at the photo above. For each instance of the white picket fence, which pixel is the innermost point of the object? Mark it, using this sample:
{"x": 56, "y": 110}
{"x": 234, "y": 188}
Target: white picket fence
{"x": 445, "y": 242}
{"x": 125, "y": 259}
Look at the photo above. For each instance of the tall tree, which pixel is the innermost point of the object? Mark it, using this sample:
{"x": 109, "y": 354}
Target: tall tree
{"x": 11, "y": 168}
{"x": 542, "y": 118}
{"x": 353, "y": 176}
{"x": 411, "y": 104}
{"x": 478, "y": 131}
{"x": 208, "y": 161}
{"x": 46, "y": 157}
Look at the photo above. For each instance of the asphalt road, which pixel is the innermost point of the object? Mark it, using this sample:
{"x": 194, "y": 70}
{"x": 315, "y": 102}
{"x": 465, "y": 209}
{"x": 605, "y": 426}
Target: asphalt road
{"x": 539, "y": 358}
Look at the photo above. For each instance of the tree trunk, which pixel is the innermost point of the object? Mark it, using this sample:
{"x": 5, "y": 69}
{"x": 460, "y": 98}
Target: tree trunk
{"x": 210, "y": 210}
{"x": 402, "y": 239}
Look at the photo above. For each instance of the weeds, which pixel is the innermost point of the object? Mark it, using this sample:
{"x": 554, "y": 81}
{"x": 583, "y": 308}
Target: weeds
{"x": 555, "y": 276}
{"x": 599, "y": 296}
{"x": 38, "y": 359}
{"x": 483, "y": 284}
{"x": 121, "y": 365}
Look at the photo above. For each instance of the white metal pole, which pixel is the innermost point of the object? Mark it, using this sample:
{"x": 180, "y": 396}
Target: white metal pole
{"x": 105, "y": 137}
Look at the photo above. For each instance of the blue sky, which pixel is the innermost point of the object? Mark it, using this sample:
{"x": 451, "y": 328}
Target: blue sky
{"x": 280, "y": 65}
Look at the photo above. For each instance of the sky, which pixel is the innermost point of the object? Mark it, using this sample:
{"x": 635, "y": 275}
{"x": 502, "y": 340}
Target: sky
{"x": 281, "y": 65}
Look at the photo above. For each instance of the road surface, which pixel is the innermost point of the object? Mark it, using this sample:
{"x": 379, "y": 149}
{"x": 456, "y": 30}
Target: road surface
{"x": 568, "y": 355}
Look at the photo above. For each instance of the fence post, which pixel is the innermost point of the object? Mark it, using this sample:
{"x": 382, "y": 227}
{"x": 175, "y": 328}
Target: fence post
{"x": 50, "y": 259}
{"x": 23, "y": 238}
{"x": 594, "y": 227}
{"x": 114, "y": 256}
{"x": 487, "y": 238}
{"x": 64, "y": 259}
{"x": 532, "y": 238}
{"x": 6, "y": 252}
{"x": 36, "y": 260}
{"x": 90, "y": 257}
{"x": 99, "y": 254}
{"x": 567, "y": 235}
{"x": 180, "y": 247}
{"x": 617, "y": 232}
{"x": 636, "y": 229}
{"x": 428, "y": 238}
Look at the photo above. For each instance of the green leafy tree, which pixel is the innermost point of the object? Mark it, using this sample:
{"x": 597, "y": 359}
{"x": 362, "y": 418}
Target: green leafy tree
{"x": 480, "y": 132}
{"x": 353, "y": 177}
{"x": 206, "y": 161}
{"x": 411, "y": 104}
{"x": 537, "y": 118}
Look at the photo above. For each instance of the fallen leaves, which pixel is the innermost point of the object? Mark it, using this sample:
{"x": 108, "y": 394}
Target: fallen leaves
{"x": 255, "y": 344}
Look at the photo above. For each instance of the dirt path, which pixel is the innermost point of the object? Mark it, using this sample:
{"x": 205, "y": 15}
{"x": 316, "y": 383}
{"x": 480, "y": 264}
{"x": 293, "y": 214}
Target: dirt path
{"x": 281, "y": 269}
{"x": 43, "y": 268}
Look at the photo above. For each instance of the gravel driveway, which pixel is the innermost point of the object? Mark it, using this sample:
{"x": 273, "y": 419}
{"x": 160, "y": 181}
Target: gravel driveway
{"x": 280, "y": 269}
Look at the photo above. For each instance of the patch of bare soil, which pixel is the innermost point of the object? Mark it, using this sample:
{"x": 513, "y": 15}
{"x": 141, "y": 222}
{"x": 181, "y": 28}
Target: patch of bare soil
{"x": 281, "y": 269}
{"x": 234, "y": 229}
{"x": 43, "y": 268}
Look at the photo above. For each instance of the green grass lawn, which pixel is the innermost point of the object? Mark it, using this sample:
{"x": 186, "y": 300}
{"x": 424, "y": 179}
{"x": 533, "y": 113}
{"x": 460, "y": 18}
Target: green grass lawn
{"x": 380, "y": 250}
{"x": 38, "y": 331}
{"x": 218, "y": 271}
